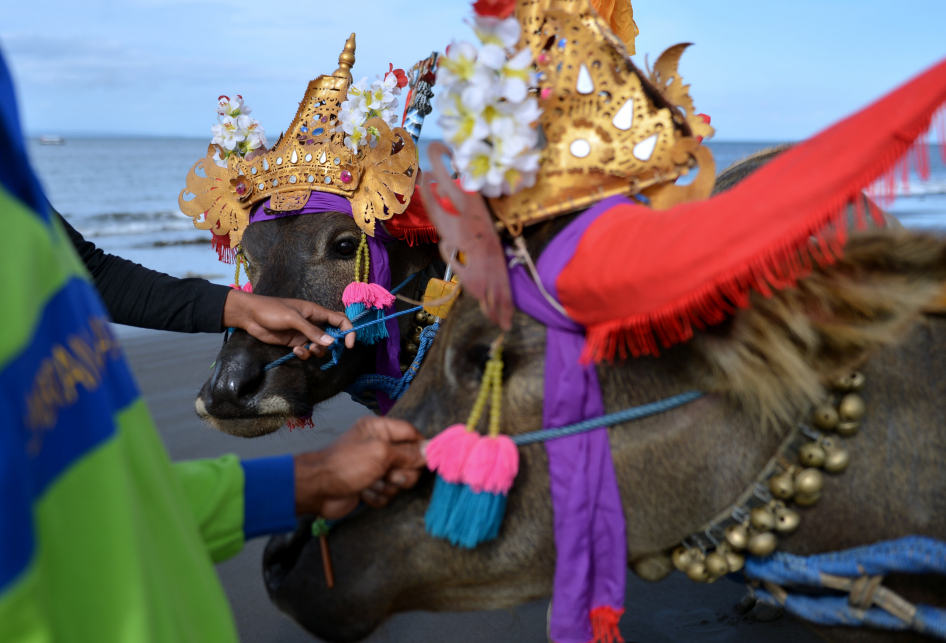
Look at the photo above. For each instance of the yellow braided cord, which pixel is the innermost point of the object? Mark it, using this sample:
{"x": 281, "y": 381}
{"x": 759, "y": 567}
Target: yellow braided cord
{"x": 491, "y": 390}
{"x": 362, "y": 249}
{"x": 236, "y": 268}
{"x": 477, "y": 411}
{"x": 497, "y": 401}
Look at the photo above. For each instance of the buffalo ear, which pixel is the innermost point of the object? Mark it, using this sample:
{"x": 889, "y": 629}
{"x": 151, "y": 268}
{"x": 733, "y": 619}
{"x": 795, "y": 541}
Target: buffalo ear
{"x": 776, "y": 357}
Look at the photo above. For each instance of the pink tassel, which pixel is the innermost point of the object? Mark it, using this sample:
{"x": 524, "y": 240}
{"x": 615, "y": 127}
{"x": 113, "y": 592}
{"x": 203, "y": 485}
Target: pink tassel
{"x": 492, "y": 466}
{"x": 247, "y": 287}
{"x": 447, "y": 453}
{"x": 380, "y": 297}
{"x": 357, "y": 293}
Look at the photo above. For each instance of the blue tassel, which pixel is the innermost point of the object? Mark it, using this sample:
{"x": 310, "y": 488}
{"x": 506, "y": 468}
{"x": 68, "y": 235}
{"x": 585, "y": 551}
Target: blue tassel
{"x": 353, "y": 310}
{"x": 462, "y": 516}
{"x": 368, "y": 335}
{"x": 442, "y": 503}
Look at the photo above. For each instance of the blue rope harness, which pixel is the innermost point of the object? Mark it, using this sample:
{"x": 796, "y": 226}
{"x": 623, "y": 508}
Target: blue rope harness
{"x": 394, "y": 387}
{"x": 331, "y": 331}
{"x": 910, "y": 555}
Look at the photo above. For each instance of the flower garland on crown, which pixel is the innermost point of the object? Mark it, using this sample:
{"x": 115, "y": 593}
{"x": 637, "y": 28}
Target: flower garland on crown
{"x": 487, "y": 115}
{"x": 235, "y": 132}
{"x": 364, "y": 103}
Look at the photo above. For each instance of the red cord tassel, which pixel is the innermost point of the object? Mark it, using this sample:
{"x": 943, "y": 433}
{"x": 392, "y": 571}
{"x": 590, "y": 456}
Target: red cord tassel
{"x": 604, "y": 625}
{"x": 300, "y": 423}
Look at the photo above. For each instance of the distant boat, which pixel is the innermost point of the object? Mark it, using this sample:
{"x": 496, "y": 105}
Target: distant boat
{"x": 51, "y": 140}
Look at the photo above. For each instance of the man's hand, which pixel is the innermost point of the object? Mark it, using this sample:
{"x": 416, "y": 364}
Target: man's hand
{"x": 374, "y": 459}
{"x": 289, "y": 322}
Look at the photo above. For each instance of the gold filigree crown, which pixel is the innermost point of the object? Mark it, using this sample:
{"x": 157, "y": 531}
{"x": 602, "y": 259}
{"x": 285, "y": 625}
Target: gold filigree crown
{"x": 608, "y": 129}
{"x": 309, "y": 157}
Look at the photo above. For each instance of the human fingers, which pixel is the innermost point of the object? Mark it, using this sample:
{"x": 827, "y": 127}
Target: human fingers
{"x": 389, "y": 429}
{"x": 373, "y": 499}
{"x": 403, "y": 478}
{"x": 310, "y": 350}
{"x": 319, "y": 314}
{"x": 336, "y": 508}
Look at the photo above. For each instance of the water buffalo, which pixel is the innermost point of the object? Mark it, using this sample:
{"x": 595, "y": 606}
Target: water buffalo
{"x": 678, "y": 469}
{"x": 312, "y": 257}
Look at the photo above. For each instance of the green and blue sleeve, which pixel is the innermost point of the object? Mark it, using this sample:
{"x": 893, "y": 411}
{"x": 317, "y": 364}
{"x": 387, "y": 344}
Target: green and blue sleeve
{"x": 101, "y": 537}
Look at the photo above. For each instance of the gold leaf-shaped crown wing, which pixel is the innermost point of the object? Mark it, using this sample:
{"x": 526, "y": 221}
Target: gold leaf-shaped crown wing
{"x": 310, "y": 157}
{"x": 607, "y": 129}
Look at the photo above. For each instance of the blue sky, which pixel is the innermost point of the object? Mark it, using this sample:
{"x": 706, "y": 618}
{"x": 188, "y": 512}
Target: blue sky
{"x": 764, "y": 70}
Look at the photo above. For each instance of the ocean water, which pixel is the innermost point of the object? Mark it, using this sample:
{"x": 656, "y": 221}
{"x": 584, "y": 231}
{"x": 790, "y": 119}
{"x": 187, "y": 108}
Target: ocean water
{"x": 122, "y": 193}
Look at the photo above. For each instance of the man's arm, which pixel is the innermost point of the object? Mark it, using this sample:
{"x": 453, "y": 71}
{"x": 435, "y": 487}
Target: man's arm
{"x": 138, "y": 296}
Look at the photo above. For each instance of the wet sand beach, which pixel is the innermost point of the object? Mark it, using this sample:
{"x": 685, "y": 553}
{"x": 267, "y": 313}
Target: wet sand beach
{"x": 171, "y": 368}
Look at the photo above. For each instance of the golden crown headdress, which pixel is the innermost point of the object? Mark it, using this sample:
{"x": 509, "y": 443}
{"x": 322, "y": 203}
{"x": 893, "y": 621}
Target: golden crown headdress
{"x": 310, "y": 157}
{"x": 608, "y": 129}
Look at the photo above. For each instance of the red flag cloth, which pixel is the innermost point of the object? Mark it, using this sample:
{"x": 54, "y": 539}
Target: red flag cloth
{"x": 638, "y": 276}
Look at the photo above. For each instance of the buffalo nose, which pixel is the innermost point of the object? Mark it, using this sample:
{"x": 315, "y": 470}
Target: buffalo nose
{"x": 236, "y": 377}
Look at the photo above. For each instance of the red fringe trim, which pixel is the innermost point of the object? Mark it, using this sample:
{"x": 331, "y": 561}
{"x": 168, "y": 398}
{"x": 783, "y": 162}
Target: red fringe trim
{"x": 221, "y": 243}
{"x": 415, "y": 236}
{"x": 300, "y": 423}
{"x": 822, "y": 239}
{"x": 604, "y": 625}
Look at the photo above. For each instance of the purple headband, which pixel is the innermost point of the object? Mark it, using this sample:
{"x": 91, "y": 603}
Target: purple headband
{"x": 387, "y": 357}
{"x": 319, "y": 202}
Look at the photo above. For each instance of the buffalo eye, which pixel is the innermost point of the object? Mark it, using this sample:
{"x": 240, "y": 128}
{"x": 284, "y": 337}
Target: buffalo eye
{"x": 477, "y": 356}
{"x": 346, "y": 247}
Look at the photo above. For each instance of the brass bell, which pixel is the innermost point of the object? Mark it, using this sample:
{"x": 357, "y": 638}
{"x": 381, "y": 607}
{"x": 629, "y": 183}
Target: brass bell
{"x": 806, "y": 500}
{"x": 781, "y": 486}
{"x": 736, "y": 536}
{"x": 786, "y": 520}
{"x": 652, "y": 567}
{"x": 416, "y": 337}
{"x": 851, "y": 408}
{"x": 420, "y": 317}
{"x": 851, "y": 382}
{"x": 431, "y": 318}
{"x": 826, "y": 418}
{"x": 809, "y": 481}
{"x": 836, "y": 461}
{"x": 847, "y": 429}
{"x": 762, "y": 519}
{"x": 404, "y": 368}
{"x": 411, "y": 349}
{"x": 762, "y": 544}
{"x": 811, "y": 455}
{"x": 697, "y": 571}
{"x": 735, "y": 561}
{"x": 716, "y": 565}
{"x": 682, "y": 558}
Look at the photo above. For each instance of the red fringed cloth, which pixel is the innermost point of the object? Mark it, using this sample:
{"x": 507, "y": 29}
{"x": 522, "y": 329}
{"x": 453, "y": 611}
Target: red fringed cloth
{"x": 639, "y": 277}
{"x": 413, "y": 225}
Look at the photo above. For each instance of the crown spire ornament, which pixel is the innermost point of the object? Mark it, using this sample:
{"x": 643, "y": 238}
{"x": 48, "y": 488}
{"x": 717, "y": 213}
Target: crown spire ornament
{"x": 377, "y": 176}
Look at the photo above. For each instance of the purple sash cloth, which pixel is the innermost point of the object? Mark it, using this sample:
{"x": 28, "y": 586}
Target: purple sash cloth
{"x": 590, "y": 539}
{"x": 387, "y": 355}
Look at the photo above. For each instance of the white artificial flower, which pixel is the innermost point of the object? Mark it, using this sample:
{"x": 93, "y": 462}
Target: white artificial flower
{"x": 462, "y": 121}
{"x": 496, "y": 31}
{"x": 357, "y": 137}
{"x": 515, "y": 73}
{"x": 458, "y": 65}
{"x": 227, "y": 106}
{"x": 219, "y": 160}
{"x": 227, "y": 133}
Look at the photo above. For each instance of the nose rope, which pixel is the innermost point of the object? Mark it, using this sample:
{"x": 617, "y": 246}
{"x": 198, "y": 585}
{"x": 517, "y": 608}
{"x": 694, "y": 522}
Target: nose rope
{"x": 337, "y": 347}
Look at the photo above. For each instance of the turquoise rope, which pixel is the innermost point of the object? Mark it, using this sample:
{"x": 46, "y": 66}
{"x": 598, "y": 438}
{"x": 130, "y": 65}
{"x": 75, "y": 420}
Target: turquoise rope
{"x": 633, "y": 413}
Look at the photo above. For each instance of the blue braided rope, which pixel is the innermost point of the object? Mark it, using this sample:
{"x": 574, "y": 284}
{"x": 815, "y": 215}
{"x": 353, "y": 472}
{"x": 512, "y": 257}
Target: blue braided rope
{"x": 395, "y": 387}
{"x": 338, "y": 347}
{"x": 911, "y": 555}
{"x": 610, "y": 419}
